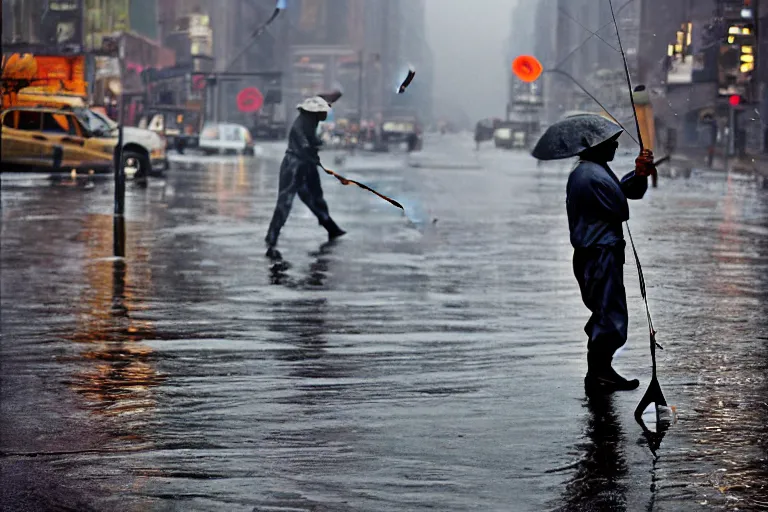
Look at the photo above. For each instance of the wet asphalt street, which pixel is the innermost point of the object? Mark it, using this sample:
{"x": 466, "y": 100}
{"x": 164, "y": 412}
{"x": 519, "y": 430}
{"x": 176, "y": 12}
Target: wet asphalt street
{"x": 434, "y": 362}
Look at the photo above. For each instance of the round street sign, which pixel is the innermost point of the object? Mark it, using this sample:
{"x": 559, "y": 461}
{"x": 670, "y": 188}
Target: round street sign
{"x": 250, "y": 100}
{"x": 198, "y": 82}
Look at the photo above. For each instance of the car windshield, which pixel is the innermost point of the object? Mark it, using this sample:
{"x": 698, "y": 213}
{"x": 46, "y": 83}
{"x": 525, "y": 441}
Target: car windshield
{"x": 96, "y": 122}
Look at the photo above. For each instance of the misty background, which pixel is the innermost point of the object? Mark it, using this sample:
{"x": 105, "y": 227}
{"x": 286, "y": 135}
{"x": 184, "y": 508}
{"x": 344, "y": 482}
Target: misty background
{"x": 469, "y": 38}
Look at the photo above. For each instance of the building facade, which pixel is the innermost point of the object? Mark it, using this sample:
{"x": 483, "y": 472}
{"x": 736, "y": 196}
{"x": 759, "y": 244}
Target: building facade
{"x": 363, "y": 47}
{"x": 78, "y": 29}
{"x": 692, "y": 56}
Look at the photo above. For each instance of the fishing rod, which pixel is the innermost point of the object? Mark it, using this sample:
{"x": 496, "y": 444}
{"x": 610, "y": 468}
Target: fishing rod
{"x": 629, "y": 82}
{"x": 347, "y": 181}
{"x": 557, "y": 69}
{"x": 653, "y": 395}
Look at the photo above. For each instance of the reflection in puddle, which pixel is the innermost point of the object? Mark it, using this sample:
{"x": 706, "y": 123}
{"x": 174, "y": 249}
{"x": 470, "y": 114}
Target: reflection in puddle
{"x": 599, "y": 482}
{"x": 118, "y": 376}
{"x": 315, "y": 276}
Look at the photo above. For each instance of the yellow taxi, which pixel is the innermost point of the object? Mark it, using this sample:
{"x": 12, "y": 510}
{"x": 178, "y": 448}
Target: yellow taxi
{"x": 55, "y": 139}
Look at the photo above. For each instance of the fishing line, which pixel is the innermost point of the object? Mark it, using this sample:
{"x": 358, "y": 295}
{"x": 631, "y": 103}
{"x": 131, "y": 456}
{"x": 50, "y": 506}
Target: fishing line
{"x": 557, "y": 69}
{"x": 279, "y": 7}
{"x": 595, "y": 34}
{"x": 652, "y": 395}
{"x": 592, "y": 96}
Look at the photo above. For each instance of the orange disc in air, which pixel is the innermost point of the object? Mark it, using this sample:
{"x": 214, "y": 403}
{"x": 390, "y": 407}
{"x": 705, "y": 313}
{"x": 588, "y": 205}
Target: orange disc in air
{"x": 527, "y": 68}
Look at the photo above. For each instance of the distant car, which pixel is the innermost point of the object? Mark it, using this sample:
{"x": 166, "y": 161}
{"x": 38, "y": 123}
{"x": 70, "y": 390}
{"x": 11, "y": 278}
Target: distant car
{"x": 502, "y": 138}
{"x": 55, "y": 140}
{"x": 225, "y": 138}
{"x": 509, "y": 138}
{"x": 400, "y": 131}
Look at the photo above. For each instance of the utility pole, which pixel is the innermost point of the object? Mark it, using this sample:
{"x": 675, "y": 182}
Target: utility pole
{"x": 360, "y": 88}
{"x": 18, "y": 17}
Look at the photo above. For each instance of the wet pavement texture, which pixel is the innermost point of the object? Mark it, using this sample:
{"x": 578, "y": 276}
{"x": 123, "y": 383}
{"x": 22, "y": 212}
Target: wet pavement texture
{"x": 428, "y": 362}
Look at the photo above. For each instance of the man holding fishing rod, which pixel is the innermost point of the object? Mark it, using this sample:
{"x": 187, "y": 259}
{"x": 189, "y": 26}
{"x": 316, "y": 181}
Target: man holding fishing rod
{"x": 597, "y": 206}
{"x": 298, "y": 172}
{"x": 596, "y": 202}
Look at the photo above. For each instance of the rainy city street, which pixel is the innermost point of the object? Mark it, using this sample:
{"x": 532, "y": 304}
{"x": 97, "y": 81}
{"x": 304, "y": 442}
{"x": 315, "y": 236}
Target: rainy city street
{"x": 433, "y": 361}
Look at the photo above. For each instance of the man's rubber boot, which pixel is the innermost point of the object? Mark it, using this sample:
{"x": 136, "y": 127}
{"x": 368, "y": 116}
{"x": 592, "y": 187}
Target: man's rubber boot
{"x": 334, "y": 231}
{"x": 602, "y": 378}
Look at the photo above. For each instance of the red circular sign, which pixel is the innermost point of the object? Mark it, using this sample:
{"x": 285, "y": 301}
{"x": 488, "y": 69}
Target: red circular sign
{"x": 249, "y": 100}
{"x": 198, "y": 82}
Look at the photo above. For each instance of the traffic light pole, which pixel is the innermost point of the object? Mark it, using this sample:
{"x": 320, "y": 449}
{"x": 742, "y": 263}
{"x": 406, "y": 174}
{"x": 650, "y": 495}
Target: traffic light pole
{"x": 732, "y": 131}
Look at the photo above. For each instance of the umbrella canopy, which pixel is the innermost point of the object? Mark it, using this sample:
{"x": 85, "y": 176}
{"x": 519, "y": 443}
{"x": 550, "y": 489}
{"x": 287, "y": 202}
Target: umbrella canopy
{"x": 572, "y": 135}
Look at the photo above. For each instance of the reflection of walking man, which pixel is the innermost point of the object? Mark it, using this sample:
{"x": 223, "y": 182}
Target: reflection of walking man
{"x": 298, "y": 173}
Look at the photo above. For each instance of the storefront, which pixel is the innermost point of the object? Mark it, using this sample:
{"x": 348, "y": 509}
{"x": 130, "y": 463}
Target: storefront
{"x": 141, "y": 54}
{"x": 51, "y": 74}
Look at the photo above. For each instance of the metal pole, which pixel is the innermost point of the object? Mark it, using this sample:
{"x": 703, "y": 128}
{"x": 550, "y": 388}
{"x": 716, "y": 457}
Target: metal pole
{"x": 732, "y": 132}
{"x": 119, "y": 220}
{"x": 18, "y": 23}
{"x": 216, "y": 100}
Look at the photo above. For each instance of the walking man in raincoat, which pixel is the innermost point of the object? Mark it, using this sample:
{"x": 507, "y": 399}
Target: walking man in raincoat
{"x": 596, "y": 203}
{"x": 298, "y": 173}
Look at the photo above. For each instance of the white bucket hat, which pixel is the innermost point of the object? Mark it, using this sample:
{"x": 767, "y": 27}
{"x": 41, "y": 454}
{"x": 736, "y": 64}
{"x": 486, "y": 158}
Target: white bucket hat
{"x": 314, "y": 104}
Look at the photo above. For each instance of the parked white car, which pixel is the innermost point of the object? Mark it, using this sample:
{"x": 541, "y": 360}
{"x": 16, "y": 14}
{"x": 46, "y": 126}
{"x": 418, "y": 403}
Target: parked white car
{"x": 149, "y": 142}
{"x": 225, "y": 138}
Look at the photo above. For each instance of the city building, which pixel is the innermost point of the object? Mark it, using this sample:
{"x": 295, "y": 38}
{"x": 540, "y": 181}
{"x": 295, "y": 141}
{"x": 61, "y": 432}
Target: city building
{"x": 180, "y": 90}
{"x": 692, "y": 56}
{"x": 412, "y": 50}
{"x": 364, "y": 47}
{"x": 136, "y": 22}
{"x": 81, "y": 35}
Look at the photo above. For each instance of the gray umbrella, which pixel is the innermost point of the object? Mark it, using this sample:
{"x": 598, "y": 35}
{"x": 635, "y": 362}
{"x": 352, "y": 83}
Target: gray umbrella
{"x": 572, "y": 135}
